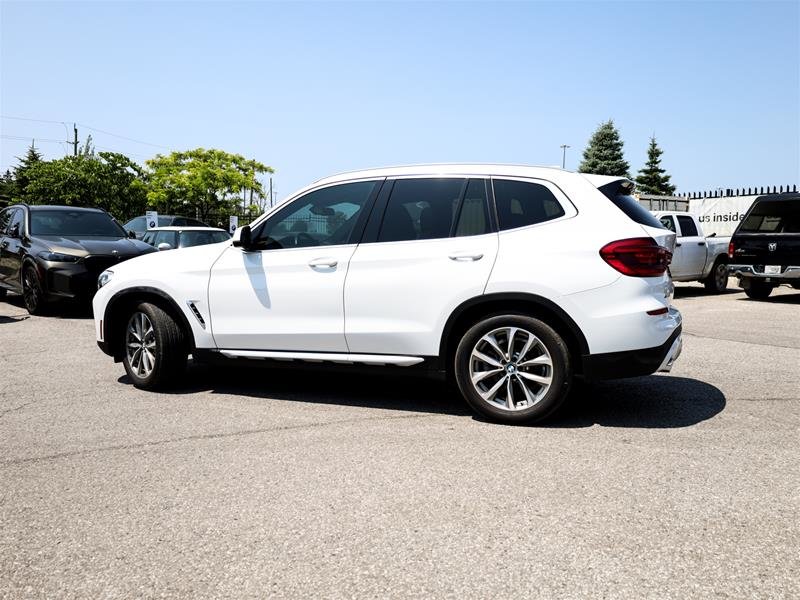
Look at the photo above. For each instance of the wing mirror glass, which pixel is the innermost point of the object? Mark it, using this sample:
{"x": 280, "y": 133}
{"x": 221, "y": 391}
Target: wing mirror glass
{"x": 131, "y": 234}
{"x": 14, "y": 231}
{"x": 164, "y": 246}
{"x": 242, "y": 238}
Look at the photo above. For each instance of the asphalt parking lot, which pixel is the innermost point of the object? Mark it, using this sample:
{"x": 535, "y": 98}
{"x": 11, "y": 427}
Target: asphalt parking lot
{"x": 264, "y": 483}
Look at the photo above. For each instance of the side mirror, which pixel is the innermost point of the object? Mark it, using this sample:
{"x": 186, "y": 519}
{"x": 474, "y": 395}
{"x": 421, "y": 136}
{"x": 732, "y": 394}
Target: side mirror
{"x": 164, "y": 246}
{"x": 14, "y": 231}
{"x": 242, "y": 238}
{"x": 132, "y": 234}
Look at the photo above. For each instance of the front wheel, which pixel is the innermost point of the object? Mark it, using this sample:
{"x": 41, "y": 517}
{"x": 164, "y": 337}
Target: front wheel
{"x": 758, "y": 290}
{"x": 155, "y": 347}
{"x": 513, "y": 369}
{"x": 717, "y": 280}
{"x": 32, "y": 293}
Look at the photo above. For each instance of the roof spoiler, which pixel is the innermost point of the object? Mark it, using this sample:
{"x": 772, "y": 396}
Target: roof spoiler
{"x": 610, "y": 185}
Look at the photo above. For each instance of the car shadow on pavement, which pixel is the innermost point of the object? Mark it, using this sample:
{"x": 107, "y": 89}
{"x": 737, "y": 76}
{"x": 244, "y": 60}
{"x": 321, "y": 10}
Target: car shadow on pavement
{"x": 644, "y": 402}
{"x": 688, "y": 292}
{"x": 65, "y": 309}
{"x": 652, "y": 402}
{"x": 780, "y": 299}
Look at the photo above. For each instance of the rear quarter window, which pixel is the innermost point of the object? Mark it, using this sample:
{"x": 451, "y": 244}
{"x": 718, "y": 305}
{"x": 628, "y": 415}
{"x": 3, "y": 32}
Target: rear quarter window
{"x": 521, "y": 203}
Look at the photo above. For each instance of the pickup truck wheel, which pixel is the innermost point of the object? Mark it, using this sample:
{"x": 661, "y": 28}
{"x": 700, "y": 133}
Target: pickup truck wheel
{"x": 758, "y": 290}
{"x": 513, "y": 369}
{"x": 155, "y": 348}
{"x": 717, "y": 280}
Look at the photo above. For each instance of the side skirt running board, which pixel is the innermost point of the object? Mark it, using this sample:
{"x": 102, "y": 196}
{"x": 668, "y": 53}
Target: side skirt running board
{"x": 343, "y": 358}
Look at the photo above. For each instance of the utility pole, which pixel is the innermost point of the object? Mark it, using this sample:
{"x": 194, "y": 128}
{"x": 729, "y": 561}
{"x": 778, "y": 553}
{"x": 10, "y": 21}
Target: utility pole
{"x": 270, "y": 192}
{"x": 75, "y": 142}
{"x": 564, "y": 155}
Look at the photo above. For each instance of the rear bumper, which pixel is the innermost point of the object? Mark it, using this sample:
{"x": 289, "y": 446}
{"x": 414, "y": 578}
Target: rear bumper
{"x": 634, "y": 363}
{"x": 790, "y": 273}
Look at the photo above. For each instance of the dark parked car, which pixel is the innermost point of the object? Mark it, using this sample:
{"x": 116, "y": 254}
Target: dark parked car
{"x": 139, "y": 224}
{"x": 765, "y": 248}
{"x": 52, "y": 252}
{"x": 170, "y": 238}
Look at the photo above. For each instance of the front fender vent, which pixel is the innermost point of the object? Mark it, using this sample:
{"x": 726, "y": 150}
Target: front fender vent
{"x": 196, "y": 313}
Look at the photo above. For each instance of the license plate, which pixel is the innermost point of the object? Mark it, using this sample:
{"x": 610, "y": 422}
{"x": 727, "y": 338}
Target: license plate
{"x": 772, "y": 269}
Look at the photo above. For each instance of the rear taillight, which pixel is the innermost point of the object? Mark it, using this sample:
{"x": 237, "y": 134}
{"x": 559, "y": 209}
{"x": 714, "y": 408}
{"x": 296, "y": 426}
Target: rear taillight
{"x": 637, "y": 257}
{"x": 730, "y": 249}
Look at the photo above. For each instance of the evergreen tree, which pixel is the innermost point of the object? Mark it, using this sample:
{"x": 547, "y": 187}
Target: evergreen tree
{"x": 603, "y": 154}
{"x": 652, "y": 179}
{"x": 26, "y": 163}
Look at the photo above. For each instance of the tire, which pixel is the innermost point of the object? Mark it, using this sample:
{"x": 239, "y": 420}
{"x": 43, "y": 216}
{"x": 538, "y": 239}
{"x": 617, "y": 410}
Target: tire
{"x": 531, "y": 400}
{"x": 3, "y": 292}
{"x": 154, "y": 347}
{"x": 717, "y": 280}
{"x": 32, "y": 292}
{"x": 758, "y": 290}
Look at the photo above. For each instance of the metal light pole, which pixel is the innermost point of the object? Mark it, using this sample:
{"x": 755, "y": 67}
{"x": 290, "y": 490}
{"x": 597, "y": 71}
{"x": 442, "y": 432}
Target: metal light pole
{"x": 564, "y": 155}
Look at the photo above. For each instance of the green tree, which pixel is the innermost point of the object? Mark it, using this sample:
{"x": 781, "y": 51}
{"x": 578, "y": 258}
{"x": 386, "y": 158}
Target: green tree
{"x": 8, "y": 187}
{"x": 108, "y": 180}
{"x": 201, "y": 182}
{"x": 26, "y": 163}
{"x": 603, "y": 155}
{"x": 652, "y": 179}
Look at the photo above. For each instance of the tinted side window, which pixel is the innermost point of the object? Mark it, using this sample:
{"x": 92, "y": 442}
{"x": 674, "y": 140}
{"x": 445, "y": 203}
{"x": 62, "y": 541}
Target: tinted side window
{"x": 170, "y": 237}
{"x": 473, "y": 218}
{"x": 5, "y": 219}
{"x": 17, "y": 216}
{"x": 520, "y": 203}
{"x": 420, "y": 209}
{"x": 137, "y": 224}
{"x": 688, "y": 228}
{"x": 667, "y": 222}
{"x": 147, "y": 238}
{"x": 324, "y": 217}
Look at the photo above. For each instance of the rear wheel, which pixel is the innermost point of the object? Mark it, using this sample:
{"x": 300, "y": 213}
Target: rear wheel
{"x": 155, "y": 347}
{"x": 758, "y": 290}
{"x": 513, "y": 369}
{"x": 717, "y": 280}
{"x": 32, "y": 293}
{"x": 3, "y": 293}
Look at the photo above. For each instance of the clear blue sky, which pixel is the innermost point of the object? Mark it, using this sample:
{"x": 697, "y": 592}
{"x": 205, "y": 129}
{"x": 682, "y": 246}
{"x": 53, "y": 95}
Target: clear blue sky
{"x": 314, "y": 89}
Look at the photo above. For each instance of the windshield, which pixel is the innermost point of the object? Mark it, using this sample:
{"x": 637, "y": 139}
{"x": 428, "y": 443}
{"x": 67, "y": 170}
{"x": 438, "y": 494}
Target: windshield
{"x": 773, "y": 216}
{"x": 74, "y": 223}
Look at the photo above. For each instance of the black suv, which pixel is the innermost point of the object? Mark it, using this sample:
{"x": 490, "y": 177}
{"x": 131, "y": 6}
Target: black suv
{"x": 765, "y": 248}
{"x": 52, "y": 252}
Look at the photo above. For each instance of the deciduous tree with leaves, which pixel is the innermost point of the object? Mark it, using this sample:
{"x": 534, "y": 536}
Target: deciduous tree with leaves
{"x": 603, "y": 155}
{"x": 106, "y": 180}
{"x": 201, "y": 182}
{"x": 652, "y": 179}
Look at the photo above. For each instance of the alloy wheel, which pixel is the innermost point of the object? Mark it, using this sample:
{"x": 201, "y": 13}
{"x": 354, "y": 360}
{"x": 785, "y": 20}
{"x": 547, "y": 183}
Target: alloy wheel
{"x": 140, "y": 344}
{"x": 511, "y": 368}
{"x": 30, "y": 290}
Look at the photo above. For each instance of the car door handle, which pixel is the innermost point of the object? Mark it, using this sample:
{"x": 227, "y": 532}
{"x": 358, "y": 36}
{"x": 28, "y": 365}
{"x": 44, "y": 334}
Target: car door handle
{"x": 323, "y": 263}
{"x": 701, "y": 243}
{"x": 678, "y": 245}
{"x": 465, "y": 256}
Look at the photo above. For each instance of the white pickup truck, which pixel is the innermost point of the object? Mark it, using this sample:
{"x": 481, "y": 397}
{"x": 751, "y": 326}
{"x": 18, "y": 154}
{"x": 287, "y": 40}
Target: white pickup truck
{"x": 696, "y": 257}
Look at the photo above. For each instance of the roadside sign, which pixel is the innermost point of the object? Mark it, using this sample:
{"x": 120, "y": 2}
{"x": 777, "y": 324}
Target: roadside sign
{"x": 233, "y": 224}
{"x": 152, "y": 219}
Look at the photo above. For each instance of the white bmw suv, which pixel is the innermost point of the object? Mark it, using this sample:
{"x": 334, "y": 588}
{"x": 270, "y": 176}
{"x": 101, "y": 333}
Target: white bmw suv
{"x": 513, "y": 280}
